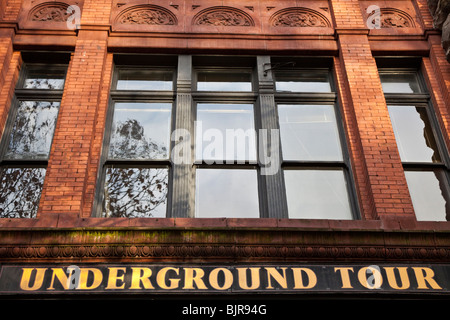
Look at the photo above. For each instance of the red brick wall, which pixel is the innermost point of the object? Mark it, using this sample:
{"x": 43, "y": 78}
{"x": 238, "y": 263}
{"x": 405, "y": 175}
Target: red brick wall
{"x": 73, "y": 167}
{"x": 65, "y": 182}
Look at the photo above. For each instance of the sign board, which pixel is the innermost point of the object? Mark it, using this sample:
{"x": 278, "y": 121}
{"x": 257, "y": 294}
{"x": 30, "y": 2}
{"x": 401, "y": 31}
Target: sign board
{"x": 228, "y": 279}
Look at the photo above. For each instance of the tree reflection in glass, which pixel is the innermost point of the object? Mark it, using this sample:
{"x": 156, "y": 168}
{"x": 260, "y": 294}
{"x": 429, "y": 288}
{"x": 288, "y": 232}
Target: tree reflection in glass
{"x": 430, "y": 194}
{"x": 32, "y": 132}
{"x": 402, "y": 82}
{"x": 20, "y": 191}
{"x": 140, "y": 131}
{"x": 44, "y": 79}
{"x": 413, "y": 134}
{"x": 135, "y": 192}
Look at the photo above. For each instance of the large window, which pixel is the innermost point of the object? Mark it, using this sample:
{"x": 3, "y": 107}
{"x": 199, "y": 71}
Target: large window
{"x": 27, "y": 139}
{"x": 135, "y": 175}
{"x": 226, "y": 183}
{"x": 419, "y": 142}
{"x": 229, "y": 106}
{"x": 316, "y": 168}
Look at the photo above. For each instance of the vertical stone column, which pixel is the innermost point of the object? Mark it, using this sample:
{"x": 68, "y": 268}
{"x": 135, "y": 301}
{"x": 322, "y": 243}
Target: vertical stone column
{"x": 384, "y": 171}
{"x": 182, "y": 152}
{"x": 271, "y": 173}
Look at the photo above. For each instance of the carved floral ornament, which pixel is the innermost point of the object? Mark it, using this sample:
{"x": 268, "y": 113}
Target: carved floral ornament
{"x": 393, "y": 18}
{"x": 223, "y": 16}
{"x": 147, "y": 15}
{"x": 50, "y": 11}
{"x": 299, "y": 17}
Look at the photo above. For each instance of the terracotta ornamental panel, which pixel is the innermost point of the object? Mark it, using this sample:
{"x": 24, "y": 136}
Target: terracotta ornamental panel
{"x": 50, "y": 14}
{"x": 391, "y": 17}
{"x": 200, "y": 16}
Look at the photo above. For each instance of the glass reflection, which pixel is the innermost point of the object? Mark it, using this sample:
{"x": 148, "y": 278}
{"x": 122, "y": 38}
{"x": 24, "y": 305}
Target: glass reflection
{"x": 309, "y": 132}
{"x": 33, "y": 129}
{"x": 225, "y": 132}
{"x": 429, "y": 194}
{"x": 224, "y": 81}
{"x": 136, "y": 79}
{"x": 135, "y": 192}
{"x": 20, "y": 191}
{"x": 317, "y": 194}
{"x": 140, "y": 131}
{"x": 302, "y": 82}
{"x": 231, "y": 193}
{"x": 413, "y": 133}
{"x": 44, "y": 79}
{"x": 400, "y": 82}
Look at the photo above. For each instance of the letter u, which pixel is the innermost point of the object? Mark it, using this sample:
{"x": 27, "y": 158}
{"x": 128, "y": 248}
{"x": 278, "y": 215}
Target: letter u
{"x": 242, "y": 273}
{"x": 403, "y": 277}
{"x": 38, "y": 280}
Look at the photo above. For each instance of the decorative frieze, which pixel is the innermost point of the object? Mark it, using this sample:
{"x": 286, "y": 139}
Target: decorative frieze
{"x": 394, "y": 18}
{"x": 147, "y": 15}
{"x": 223, "y": 16}
{"x": 299, "y": 17}
{"x": 50, "y": 11}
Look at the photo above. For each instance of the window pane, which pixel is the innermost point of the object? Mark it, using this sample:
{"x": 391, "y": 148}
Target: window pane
{"x": 317, "y": 194}
{"x": 135, "y": 192}
{"x": 225, "y": 132}
{"x": 302, "y": 82}
{"x": 136, "y": 79}
{"x": 429, "y": 194}
{"x": 413, "y": 133}
{"x": 309, "y": 133}
{"x": 32, "y": 132}
{"x": 140, "y": 131}
{"x": 20, "y": 191}
{"x": 400, "y": 82}
{"x": 224, "y": 81}
{"x": 38, "y": 78}
{"x": 231, "y": 193}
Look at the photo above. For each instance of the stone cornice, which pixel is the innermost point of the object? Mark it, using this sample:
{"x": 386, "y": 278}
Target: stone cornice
{"x": 136, "y": 245}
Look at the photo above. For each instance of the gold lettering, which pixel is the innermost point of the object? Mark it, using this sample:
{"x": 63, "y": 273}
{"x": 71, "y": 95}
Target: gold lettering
{"x": 423, "y": 278}
{"x": 114, "y": 277}
{"x": 345, "y": 277}
{"x": 242, "y": 274}
{"x": 194, "y": 275}
{"x": 375, "y": 276}
{"x": 62, "y": 277}
{"x": 281, "y": 279}
{"x": 38, "y": 280}
{"x": 161, "y": 278}
{"x": 403, "y": 271}
{"x": 298, "y": 279}
{"x": 84, "y": 274}
{"x": 137, "y": 278}
{"x": 228, "y": 279}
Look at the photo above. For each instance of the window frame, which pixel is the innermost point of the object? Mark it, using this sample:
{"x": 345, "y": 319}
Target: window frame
{"x": 321, "y": 98}
{"x": 133, "y": 96}
{"x": 228, "y": 97}
{"x": 422, "y": 99}
{"x": 21, "y": 95}
{"x": 185, "y": 98}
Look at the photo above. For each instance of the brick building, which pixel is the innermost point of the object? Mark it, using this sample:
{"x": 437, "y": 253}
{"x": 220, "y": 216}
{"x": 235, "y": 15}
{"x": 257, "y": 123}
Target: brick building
{"x": 281, "y": 148}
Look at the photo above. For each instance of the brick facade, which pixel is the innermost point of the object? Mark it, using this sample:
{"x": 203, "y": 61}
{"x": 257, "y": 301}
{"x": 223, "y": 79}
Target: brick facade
{"x": 387, "y": 229}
